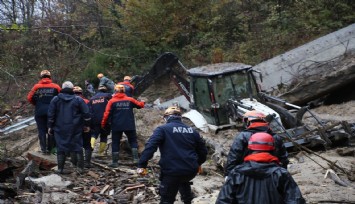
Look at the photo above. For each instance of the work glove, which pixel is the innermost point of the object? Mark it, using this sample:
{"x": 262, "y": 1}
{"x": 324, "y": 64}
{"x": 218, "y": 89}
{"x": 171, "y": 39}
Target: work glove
{"x": 199, "y": 170}
{"x": 50, "y": 131}
{"x": 86, "y": 129}
{"x": 142, "y": 171}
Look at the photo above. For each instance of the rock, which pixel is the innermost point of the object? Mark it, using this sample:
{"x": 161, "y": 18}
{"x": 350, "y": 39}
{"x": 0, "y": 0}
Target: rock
{"x": 52, "y": 180}
{"x": 46, "y": 162}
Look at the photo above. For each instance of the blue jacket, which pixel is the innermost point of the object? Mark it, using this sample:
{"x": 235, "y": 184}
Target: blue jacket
{"x": 181, "y": 147}
{"x": 119, "y": 113}
{"x": 260, "y": 183}
{"x": 108, "y": 83}
{"x": 67, "y": 115}
{"x": 97, "y": 106}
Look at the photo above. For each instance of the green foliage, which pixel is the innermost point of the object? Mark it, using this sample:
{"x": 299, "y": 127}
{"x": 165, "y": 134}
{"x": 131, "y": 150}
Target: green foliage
{"x": 83, "y": 38}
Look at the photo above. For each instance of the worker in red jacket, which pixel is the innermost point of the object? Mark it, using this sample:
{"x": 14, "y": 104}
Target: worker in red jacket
{"x": 129, "y": 88}
{"x": 119, "y": 115}
{"x": 41, "y": 95}
{"x": 78, "y": 91}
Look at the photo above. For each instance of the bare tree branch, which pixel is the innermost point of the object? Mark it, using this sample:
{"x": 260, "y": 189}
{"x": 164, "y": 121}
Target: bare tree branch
{"x": 12, "y": 76}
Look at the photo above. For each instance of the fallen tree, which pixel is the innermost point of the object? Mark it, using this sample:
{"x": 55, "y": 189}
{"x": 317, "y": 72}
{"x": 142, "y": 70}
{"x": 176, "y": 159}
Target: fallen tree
{"x": 324, "y": 83}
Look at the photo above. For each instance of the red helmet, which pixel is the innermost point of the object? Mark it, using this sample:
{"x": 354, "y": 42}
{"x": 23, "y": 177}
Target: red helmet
{"x": 261, "y": 141}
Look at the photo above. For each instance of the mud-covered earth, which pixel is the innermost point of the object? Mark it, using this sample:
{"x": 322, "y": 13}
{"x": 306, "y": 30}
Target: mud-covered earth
{"x": 308, "y": 170}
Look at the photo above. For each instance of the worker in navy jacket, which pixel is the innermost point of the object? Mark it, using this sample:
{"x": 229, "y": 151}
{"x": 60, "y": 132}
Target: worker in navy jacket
{"x": 119, "y": 115}
{"x": 260, "y": 179}
{"x": 86, "y": 135}
{"x": 182, "y": 152}
{"x": 68, "y": 116}
{"x": 41, "y": 95}
{"x": 129, "y": 88}
{"x": 255, "y": 122}
{"x": 110, "y": 85}
{"x": 97, "y": 105}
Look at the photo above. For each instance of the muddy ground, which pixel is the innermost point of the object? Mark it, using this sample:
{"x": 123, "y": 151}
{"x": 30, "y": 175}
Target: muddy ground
{"x": 308, "y": 170}
{"x": 305, "y": 168}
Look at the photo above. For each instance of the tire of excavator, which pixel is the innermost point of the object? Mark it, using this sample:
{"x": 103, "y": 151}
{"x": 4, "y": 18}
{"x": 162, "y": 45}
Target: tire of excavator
{"x": 288, "y": 120}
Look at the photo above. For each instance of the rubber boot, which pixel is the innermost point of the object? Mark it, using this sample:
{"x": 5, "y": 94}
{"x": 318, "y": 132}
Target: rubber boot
{"x": 114, "y": 160}
{"x": 92, "y": 142}
{"x": 80, "y": 163}
{"x": 135, "y": 155}
{"x": 73, "y": 158}
{"x": 61, "y": 162}
{"x": 87, "y": 162}
{"x": 102, "y": 148}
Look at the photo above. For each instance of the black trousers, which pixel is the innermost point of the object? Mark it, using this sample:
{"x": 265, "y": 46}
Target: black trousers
{"x": 171, "y": 185}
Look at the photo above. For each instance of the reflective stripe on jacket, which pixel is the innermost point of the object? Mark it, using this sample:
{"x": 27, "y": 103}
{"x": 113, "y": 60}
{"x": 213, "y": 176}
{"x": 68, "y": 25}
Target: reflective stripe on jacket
{"x": 181, "y": 148}
{"x": 119, "y": 112}
{"x": 41, "y": 95}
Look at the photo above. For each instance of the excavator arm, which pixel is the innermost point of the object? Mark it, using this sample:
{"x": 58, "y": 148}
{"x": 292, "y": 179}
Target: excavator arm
{"x": 167, "y": 64}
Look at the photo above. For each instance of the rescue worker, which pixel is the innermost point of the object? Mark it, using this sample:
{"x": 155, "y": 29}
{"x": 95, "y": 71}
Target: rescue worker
{"x": 119, "y": 115}
{"x": 260, "y": 179}
{"x": 110, "y": 85}
{"x": 90, "y": 91}
{"x": 68, "y": 116}
{"x": 86, "y": 135}
{"x": 129, "y": 88}
{"x": 41, "y": 95}
{"x": 255, "y": 122}
{"x": 97, "y": 107}
{"x": 182, "y": 152}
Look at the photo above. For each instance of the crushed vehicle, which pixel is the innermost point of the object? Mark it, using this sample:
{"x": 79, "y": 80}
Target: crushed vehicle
{"x": 219, "y": 95}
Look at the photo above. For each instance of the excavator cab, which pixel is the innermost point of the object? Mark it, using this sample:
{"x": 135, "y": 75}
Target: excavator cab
{"x": 213, "y": 85}
{"x": 207, "y": 88}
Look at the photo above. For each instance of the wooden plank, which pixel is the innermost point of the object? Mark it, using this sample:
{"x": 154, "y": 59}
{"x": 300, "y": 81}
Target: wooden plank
{"x": 104, "y": 189}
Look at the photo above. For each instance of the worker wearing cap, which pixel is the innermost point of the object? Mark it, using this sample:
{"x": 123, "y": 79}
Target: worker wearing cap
{"x": 129, "y": 88}
{"x": 182, "y": 152}
{"x": 41, "y": 95}
{"x": 119, "y": 115}
{"x": 68, "y": 116}
{"x": 86, "y": 135}
{"x": 255, "y": 122}
{"x": 108, "y": 83}
{"x": 97, "y": 107}
{"x": 260, "y": 179}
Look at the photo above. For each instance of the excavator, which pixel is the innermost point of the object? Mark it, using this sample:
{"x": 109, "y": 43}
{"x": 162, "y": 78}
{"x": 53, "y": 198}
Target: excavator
{"x": 219, "y": 94}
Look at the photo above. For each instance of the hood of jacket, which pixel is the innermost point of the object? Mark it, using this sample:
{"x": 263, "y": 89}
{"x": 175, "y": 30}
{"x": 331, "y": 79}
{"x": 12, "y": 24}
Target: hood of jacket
{"x": 257, "y": 170}
{"x": 67, "y": 94}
